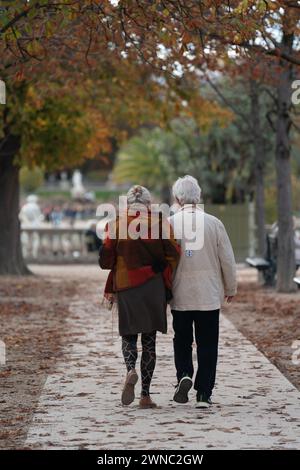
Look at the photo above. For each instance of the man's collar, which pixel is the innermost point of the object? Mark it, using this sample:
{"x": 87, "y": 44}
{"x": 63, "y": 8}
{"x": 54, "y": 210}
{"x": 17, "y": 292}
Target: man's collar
{"x": 191, "y": 206}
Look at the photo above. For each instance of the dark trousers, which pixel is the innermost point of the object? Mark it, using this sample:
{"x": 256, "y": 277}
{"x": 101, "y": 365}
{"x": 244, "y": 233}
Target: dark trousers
{"x": 206, "y": 325}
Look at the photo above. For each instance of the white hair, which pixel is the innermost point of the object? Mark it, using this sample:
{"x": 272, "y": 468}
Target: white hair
{"x": 187, "y": 190}
{"x": 138, "y": 194}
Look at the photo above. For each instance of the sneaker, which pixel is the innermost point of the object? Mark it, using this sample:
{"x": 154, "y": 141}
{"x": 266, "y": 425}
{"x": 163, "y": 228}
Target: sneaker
{"x": 128, "y": 395}
{"x": 203, "y": 401}
{"x": 182, "y": 390}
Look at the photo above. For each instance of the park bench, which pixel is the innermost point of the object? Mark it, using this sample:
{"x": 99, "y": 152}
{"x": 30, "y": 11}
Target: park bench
{"x": 297, "y": 281}
{"x": 268, "y": 265}
{"x": 259, "y": 263}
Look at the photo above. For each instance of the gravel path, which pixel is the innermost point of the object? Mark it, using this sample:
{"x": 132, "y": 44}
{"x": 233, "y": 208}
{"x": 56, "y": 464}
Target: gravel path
{"x": 255, "y": 406}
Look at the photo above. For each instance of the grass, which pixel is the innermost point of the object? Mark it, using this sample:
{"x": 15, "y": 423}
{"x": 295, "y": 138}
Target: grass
{"x": 101, "y": 195}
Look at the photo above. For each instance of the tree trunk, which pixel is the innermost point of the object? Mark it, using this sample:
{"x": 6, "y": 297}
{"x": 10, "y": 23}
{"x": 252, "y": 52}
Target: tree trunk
{"x": 11, "y": 259}
{"x": 259, "y": 166}
{"x": 286, "y": 250}
{"x": 260, "y": 211}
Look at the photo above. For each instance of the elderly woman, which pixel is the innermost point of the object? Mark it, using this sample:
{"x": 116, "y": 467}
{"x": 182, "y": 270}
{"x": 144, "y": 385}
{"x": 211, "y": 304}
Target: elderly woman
{"x": 140, "y": 279}
{"x": 205, "y": 274}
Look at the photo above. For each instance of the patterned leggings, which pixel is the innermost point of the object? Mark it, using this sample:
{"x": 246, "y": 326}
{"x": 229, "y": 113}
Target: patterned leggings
{"x": 130, "y": 353}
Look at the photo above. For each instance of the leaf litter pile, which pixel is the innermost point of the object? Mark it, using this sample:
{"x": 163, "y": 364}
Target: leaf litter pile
{"x": 32, "y": 315}
{"x": 272, "y": 322}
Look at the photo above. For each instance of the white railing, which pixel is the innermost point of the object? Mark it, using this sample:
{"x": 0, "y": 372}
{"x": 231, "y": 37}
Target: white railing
{"x": 55, "y": 245}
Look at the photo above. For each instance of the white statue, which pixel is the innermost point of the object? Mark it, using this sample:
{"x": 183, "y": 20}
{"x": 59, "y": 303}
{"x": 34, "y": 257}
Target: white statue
{"x": 77, "y": 190}
{"x": 30, "y": 217}
{"x": 31, "y": 214}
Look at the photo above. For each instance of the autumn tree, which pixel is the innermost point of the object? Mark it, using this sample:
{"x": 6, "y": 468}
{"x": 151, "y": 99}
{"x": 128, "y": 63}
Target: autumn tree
{"x": 177, "y": 40}
{"x": 63, "y": 106}
{"x": 203, "y": 35}
{"x": 21, "y": 26}
{"x": 246, "y": 91}
{"x": 49, "y": 131}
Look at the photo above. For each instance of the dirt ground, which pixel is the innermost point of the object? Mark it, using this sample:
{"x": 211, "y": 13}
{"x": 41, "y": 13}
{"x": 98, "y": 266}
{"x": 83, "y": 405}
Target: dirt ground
{"x": 32, "y": 315}
{"x": 33, "y": 311}
{"x": 271, "y": 321}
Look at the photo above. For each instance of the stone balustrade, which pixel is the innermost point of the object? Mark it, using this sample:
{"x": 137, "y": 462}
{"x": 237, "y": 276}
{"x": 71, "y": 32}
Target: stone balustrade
{"x": 56, "y": 245}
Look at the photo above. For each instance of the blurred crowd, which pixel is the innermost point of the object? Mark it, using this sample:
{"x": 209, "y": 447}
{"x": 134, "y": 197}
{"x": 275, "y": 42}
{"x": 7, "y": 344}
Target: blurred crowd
{"x": 55, "y": 213}
{"x": 68, "y": 212}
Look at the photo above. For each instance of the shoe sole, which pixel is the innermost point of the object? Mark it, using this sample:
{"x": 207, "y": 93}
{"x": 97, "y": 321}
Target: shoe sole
{"x": 128, "y": 395}
{"x": 202, "y": 404}
{"x": 185, "y": 385}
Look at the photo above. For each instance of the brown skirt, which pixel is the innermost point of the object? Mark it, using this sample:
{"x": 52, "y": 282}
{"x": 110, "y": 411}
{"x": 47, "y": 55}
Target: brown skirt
{"x": 143, "y": 309}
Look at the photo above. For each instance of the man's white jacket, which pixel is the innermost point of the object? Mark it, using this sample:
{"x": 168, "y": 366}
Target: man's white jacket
{"x": 207, "y": 269}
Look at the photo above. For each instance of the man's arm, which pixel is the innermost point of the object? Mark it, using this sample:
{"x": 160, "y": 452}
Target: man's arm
{"x": 227, "y": 262}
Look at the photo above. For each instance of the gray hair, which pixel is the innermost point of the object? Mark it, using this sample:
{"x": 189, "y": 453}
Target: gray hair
{"x": 138, "y": 194}
{"x": 187, "y": 190}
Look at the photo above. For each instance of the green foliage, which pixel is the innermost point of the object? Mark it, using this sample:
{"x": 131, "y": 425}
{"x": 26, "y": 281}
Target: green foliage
{"x": 154, "y": 157}
{"x": 102, "y": 195}
{"x": 271, "y": 197}
{"x": 231, "y": 149}
{"x": 57, "y": 130}
{"x": 55, "y": 134}
{"x": 218, "y": 158}
{"x": 221, "y": 157}
{"x": 31, "y": 179}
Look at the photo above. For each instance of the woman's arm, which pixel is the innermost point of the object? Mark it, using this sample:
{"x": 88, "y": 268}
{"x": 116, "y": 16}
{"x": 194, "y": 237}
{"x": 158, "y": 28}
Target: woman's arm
{"x": 107, "y": 252}
{"x": 171, "y": 248}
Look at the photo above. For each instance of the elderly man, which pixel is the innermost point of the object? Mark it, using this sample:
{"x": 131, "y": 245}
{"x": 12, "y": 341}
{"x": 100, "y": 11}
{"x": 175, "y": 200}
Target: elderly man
{"x": 206, "y": 274}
